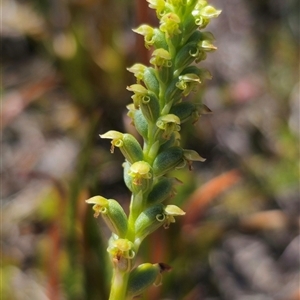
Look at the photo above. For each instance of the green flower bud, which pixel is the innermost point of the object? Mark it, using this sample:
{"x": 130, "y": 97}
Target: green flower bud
{"x": 173, "y": 94}
{"x": 159, "y": 39}
{"x": 150, "y": 80}
{"x": 129, "y": 146}
{"x": 112, "y": 213}
{"x": 141, "y": 124}
{"x": 122, "y": 252}
{"x": 189, "y": 26}
{"x": 165, "y": 74}
{"x": 138, "y": 120}
{"x": 150, "y": 108}
{"x": 162, "y": 190}
{"x": 185, "y": 111}
{"x": 154, "y": 217}
{"x": 186, "y": 55}
{"x": 142, "y": 277}
{"x": 168, "y": 123}
{"x": 199, "y": 36}
{"x": 148, "y": 221}
{"x": 167, "y": 161}
{"x": 142, "y": 176}
{"x": 195, "y": 50}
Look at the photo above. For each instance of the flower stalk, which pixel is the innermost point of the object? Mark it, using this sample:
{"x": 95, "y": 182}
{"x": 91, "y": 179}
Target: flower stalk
{"x": 158, "y": 111}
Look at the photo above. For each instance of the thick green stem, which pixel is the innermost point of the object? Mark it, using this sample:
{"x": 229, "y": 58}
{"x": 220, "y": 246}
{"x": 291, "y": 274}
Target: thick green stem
{"x": 119, "y": 285}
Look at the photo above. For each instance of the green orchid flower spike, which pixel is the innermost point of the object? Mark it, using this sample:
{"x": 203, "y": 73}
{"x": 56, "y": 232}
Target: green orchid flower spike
{"x": 158, "y": 111}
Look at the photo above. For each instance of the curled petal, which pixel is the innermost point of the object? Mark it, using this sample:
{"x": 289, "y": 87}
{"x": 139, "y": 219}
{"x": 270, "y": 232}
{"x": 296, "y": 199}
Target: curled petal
{"x": 99, "y": 200}
{"x": 172, "y": 211}
{"x": 170, "y": 24}
{"x": 121, "y": 248}
{"x": 144, "y": 30}
{"x": 148, "y": 221}
{"x": 129, "y": 146}
{"x": 140, "y": 170}
{"x": 158, "y": 5}
{"x": 190, "y": 156}
{"x": 168, "y": 123}
{"x": 112, "y": 213}
{"x": 162, "y": 53}
{"x": 137, "y": 89}
{"x": 170, "y": 118}
{"x": 112, "y": 134}
{"x": 187, "y": 82}
{"x": 161, "y": 57}
{"x": 100, "y": 204}
{"x": 203, "y": 13}
{"x": 138, "y": 71}
{"x": 209, "y": 12}
{"x": 148, "y": 33}
{"x": 115, "y": 136}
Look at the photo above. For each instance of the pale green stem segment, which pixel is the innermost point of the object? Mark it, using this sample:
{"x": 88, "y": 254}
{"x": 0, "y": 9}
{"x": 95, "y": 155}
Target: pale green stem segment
{"x": 134, "y": 211}
{"x": 119, "y": 285}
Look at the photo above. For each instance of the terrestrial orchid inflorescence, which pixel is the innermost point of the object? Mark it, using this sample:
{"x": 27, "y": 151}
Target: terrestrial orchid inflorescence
{"x": 158, "y": 111}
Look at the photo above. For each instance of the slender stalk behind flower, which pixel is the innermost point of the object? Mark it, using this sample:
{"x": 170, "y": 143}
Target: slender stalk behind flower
{"x": 158, "y": 111}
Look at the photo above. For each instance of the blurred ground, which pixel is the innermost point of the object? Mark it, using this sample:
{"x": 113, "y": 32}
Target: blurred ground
{"x": 63, "y": 82}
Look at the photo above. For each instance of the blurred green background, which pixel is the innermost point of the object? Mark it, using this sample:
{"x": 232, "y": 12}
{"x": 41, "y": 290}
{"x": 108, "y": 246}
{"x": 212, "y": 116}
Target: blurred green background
{"x": 64, "y": 82}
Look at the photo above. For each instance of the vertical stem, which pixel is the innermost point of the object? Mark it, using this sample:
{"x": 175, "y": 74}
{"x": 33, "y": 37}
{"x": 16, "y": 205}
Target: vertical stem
{"x": 119, "y": 285}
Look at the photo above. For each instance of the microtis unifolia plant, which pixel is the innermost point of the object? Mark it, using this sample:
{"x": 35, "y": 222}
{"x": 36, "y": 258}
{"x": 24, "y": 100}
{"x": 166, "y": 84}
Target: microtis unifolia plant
{"x": 158, "y": 110}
